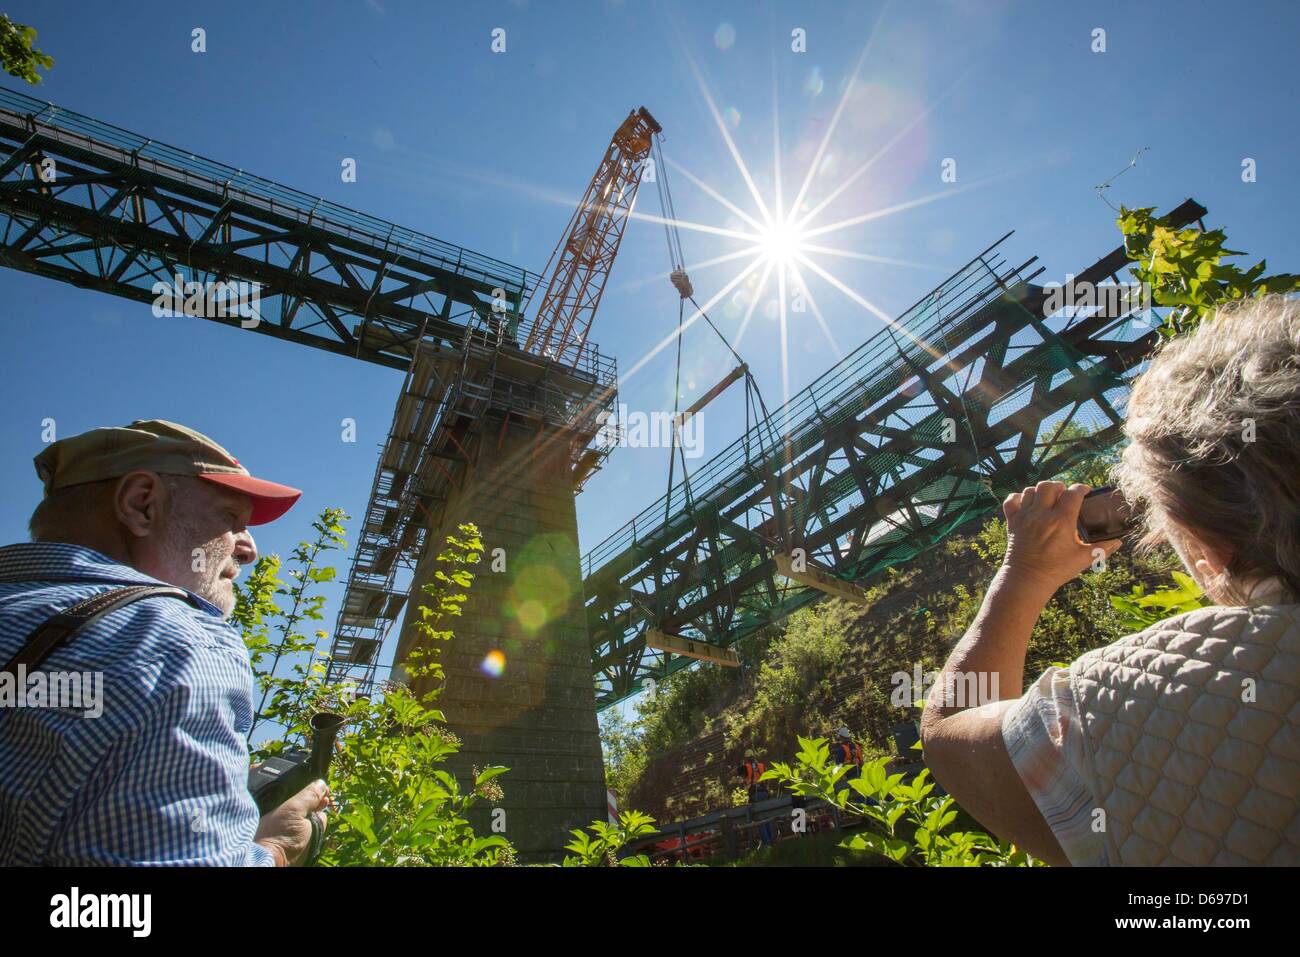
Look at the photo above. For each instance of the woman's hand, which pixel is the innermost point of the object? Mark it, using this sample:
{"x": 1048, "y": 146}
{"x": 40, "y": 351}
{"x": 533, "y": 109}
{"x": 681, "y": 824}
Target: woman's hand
{"x": 1043, "y": 544}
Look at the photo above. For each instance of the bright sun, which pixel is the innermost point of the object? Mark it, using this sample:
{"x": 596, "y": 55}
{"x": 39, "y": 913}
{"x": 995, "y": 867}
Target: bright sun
{"x": 781, "y": 242}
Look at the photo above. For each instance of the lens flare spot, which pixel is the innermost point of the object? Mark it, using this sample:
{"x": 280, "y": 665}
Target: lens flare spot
{"x": 814, "y": 83}
{"x": 532, "y": 614}
{"x": 494, "y": 665}
{"x": 543, "y": 589}
{"x": 724, "y": 36}
{"x": 731, "y": 116}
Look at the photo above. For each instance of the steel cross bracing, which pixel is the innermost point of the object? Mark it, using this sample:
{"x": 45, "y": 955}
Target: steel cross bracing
{"x": 920, "y": 431}
{"x": 123, "y": 212}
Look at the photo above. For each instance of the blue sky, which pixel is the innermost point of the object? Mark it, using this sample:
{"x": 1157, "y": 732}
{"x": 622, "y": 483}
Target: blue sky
{"x": 490, "y": 151}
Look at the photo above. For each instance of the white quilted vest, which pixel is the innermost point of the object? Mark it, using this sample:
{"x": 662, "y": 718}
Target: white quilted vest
{"x": 1187, "y": 772}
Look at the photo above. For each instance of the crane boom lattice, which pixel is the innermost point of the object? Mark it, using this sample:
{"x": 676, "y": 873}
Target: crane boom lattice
{"x": 591, "y": 242}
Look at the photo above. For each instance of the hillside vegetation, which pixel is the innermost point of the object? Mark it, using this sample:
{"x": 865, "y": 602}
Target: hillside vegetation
{"x": 832, "y": 665}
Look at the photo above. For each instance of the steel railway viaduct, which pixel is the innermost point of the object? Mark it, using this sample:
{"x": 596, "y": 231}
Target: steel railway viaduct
{"x": 973, "y": 392}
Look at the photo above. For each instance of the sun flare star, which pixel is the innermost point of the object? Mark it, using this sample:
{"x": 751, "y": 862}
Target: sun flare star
{"x": 781, "y": 242}
{"x": 786, "y": 237}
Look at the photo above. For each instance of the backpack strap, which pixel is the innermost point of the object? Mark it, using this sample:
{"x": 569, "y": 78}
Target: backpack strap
{"x": 55, "y": 632}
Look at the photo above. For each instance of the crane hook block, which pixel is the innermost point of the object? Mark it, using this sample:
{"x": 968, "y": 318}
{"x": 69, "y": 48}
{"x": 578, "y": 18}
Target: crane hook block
{"x": 681, "y": 282}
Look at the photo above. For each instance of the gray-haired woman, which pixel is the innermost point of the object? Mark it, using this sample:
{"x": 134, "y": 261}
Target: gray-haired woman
{"x": 1177, "y": 745}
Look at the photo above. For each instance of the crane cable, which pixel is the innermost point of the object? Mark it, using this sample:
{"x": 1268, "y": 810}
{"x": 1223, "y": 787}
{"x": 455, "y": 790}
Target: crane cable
{"x": 666, "y": 206}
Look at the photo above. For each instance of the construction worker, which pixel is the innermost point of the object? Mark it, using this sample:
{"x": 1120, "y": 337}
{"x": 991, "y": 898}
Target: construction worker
{"x": 847, "y": 752}
{"x": 752, "y": 770}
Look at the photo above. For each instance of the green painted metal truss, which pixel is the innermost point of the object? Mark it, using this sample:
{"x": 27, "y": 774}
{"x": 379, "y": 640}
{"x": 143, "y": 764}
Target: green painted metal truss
{"x": 973, "y": 393}
{"x": 99, "y": 207}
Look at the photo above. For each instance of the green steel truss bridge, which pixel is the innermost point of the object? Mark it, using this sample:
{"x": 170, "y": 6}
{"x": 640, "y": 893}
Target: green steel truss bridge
{"x": 118, "y": 212}
{"x": 922, "y": 430}
{"x": 855, "y": 469}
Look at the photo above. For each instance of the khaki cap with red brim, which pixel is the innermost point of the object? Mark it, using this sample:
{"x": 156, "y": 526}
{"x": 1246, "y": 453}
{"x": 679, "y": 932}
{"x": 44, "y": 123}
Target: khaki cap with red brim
{"x": 158, "y": 446}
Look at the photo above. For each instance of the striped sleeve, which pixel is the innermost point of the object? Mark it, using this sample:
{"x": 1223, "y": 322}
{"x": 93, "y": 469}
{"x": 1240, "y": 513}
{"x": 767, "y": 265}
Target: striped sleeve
{"x": 171, "y": 788}
{"x": 1044, "y": 739}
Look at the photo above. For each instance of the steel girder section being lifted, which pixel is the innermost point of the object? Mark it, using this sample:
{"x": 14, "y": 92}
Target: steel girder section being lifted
{"x": 98, "y": 207}
{"x": 922, "y": 430}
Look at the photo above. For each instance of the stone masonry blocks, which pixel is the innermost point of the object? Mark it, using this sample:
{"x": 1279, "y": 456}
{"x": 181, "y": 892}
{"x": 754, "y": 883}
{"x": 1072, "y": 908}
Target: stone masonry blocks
{"x": 539, "y": 716}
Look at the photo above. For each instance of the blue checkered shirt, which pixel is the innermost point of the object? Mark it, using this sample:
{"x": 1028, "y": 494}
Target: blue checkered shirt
{"x": 161, "y": 775}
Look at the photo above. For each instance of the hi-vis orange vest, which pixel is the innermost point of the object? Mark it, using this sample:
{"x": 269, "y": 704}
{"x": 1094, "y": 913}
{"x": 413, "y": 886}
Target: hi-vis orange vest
{"x": 849, "y": 753}
{"x": 753, "y": 771}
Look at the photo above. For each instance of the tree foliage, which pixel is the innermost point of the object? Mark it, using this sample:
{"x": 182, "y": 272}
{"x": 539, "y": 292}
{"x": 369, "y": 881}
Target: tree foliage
{"x": 1186, "y": 271}
{"x": 18, "y": 53}
{"x": 905, "y": 821}
{"x": 394, "y": 802}
{"x": 601, "y": 847}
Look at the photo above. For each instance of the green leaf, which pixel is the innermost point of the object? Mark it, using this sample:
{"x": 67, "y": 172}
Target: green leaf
{"x": 890, "y": 847}
{"x": 361, "y": 818}
{"x": 487, "y": 774}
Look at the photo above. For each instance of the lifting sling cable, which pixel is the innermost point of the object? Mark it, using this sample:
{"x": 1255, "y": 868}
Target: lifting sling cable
{"x": 682, "y": 283}
{"x": 677, "y": 389}
{"x": 666, "y": 207}
{"x": 753, "y": 395}
{"x": 762, "y": 427}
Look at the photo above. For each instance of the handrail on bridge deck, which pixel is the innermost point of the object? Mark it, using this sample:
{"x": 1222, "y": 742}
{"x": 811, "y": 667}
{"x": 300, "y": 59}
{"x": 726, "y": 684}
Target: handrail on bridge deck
{"x": 730, "y": 832}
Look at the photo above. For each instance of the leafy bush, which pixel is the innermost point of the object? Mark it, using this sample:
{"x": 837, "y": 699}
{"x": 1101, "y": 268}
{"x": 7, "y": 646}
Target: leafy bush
{"x": 18, "y": 56}
{"x": 1140, "y": 610}
{"x": 601, "y": 847}
{"x": 395, "y": 805}
{"x": 1185, "y": 269}
{"x": 815, "y": 639}
{"x": 681, "y": 705}
{"x": 286, "y": 698}
{"x": 904, "y": 822}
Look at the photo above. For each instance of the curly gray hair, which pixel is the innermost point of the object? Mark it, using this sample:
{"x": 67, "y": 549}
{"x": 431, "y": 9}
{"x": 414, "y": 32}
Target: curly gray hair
{"x": 1214, "y": 443}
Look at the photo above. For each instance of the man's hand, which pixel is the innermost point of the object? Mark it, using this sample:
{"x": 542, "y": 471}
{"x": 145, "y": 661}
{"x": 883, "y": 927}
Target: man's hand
{"x": 286, "y": 831}
{"x": 1043, "y": 544}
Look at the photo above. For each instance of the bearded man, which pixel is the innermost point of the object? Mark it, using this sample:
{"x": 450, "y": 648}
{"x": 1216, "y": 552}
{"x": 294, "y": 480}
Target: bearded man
{"x": 157, "y": 772}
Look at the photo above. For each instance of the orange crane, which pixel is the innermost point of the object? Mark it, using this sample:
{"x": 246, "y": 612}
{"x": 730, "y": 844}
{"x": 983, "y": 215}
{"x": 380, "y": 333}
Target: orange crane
{"x": 586, "y": 253}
